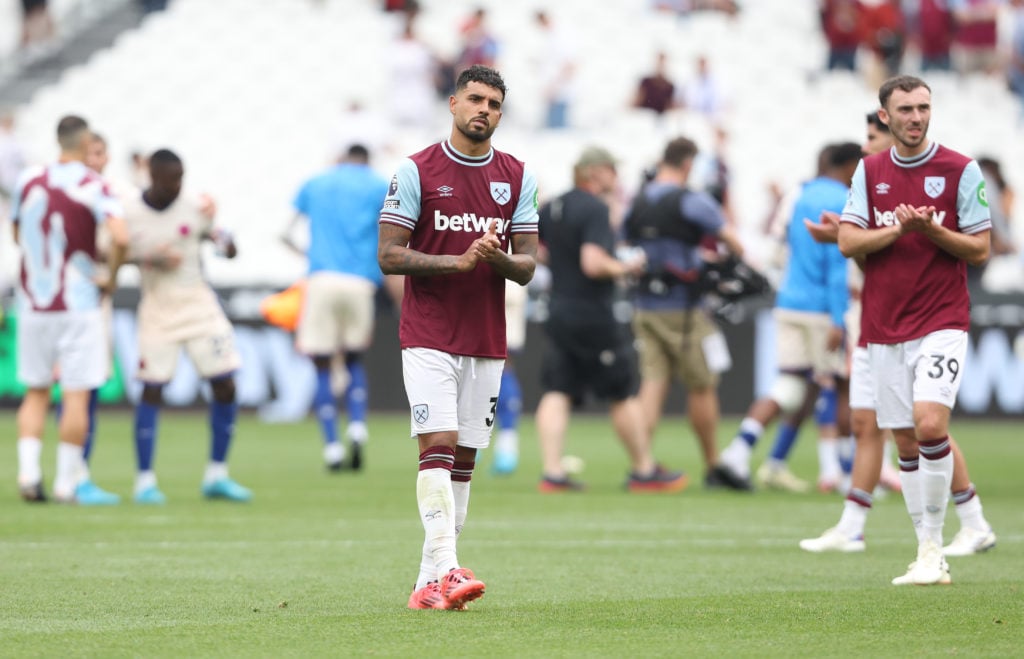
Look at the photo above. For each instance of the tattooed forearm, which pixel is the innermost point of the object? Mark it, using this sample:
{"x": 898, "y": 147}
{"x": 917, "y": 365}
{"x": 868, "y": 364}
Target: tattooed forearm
{"x": 395, "y": 257}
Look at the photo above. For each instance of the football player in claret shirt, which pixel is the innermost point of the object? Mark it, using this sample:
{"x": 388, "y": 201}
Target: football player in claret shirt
{"x": 451, "y": 214}
{"x": 56, "y": 211}
{"x": 917, "y": 215}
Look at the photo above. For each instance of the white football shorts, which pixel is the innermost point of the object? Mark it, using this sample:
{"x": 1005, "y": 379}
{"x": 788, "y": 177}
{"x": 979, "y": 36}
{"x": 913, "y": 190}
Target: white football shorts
{"x": 452, "y": 392}
{"x": 862, "y": 385}
{"x": 926, "y": 369}
{"x": 74, "y": 342}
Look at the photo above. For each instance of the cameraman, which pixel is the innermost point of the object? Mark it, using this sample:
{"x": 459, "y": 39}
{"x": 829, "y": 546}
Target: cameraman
{"x": 677, "y": 337}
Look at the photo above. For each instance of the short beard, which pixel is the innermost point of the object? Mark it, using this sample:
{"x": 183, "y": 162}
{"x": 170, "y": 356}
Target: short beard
{"x": 478, "y": 137}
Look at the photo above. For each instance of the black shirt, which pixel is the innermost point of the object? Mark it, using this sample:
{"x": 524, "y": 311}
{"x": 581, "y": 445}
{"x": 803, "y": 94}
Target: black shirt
{"x": 566, "y": 224}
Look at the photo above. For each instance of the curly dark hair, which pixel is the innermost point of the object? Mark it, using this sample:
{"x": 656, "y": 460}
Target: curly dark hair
{"x": 484, "y": 75}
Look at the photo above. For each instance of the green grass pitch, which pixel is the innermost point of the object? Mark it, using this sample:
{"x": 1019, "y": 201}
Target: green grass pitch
{"x": 321, "y": 564}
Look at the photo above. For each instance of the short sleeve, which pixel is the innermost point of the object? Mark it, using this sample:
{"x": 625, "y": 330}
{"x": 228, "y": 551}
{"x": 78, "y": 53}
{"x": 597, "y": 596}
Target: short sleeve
{"x": 973, "y": 214}
{"x": 525, "y": 218}
{"x": 402, "y": 203}
{"x": 856, "y": 209}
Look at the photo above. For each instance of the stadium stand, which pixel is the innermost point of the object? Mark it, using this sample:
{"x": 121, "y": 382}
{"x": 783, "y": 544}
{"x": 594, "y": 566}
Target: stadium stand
{"x": 248, "y": 93}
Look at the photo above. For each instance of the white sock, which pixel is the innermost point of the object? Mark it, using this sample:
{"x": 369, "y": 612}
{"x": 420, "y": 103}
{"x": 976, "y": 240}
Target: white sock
{"x": 507, "y": 442}
{"x": 437, "y": 513}
{"x": 935, "y": 478}
{"x": 460, "y": 498}
{"x": 913, "y": 497}
{"x": 30, "y": 451}
{"x": 737, "y": 456}
{"x": 853, "y": 519}
{"x": 828, "y": 460}
{"x": 971, "y": 515}
{"x": 69, "y": 470}
{"x": 145, "y": 480}
{"x": 357, "y": 432}
{"x": 460, "y": 495}
{"x": 215, "y": 471}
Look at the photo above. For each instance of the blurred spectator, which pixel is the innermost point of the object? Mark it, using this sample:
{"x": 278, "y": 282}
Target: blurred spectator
{"x": 712, "y": 174}
{"x": 656, "y": 91}
{"x": 884, "y": 35}
{"x": 976, "y": 35}
{"x": 12, "y": 160}
{"x": 357, "y": 125}
{"x": 150, "y": 6}
{"x": 684, "y": 7}
{"x": 557, "y": 71}
{"x": 37, "y": 27}
{"x": 934, "y": 35}
{"x": 413, "y": 90}
{"x": 478, "y": 45}
{"x": 704, "y": 94}
{"x": 1015, "y": 65}
{"x": 841, "y": 24}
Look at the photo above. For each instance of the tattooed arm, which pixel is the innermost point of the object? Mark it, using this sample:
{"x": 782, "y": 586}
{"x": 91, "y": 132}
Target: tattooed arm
{"x": 395, "y": 257}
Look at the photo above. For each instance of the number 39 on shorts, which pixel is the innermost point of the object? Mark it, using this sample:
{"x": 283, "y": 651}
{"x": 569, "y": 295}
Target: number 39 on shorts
{"x": 943, "y": 367}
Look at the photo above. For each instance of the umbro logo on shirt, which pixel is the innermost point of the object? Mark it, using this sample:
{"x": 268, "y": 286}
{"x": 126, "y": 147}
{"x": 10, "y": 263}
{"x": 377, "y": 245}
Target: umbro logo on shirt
{"x": 446, "y": 190}
{"x": 882, "y": 188}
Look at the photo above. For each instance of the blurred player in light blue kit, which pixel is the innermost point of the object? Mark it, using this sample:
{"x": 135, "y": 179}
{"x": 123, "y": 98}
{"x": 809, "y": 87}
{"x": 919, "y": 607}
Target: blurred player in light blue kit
{"x": 342, "y": 205}
{"x": 510, "y": 396}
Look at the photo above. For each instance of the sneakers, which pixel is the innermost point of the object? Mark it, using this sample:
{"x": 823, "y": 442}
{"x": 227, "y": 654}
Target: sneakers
{"x": 428, "y": 597}
{"x": 549, "y": 485}
{"x": 661, "y": 480}
{"x": 968, "y": 542}
{"x": 781, "y": 478}
{"x": 459, "y": 586}
{"x": 334, "y": 456}
{"x": 33, "y": 493}
{"x": 227, "y": 490}
{"x": 833, "y": 540}
{"x": 357, "y": 456}
{"x": 722, "y": 475}
{"x": 505, "y": 463}
{"x": 929, "y": 568}
{"x": 150, "y": 496}
{"x": 89, "y": 494}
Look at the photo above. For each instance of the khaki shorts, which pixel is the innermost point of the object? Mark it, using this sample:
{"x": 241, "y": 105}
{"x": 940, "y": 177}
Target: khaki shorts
{"x": 801, "y": 338}
{"x": 337, "y": 314}
{"x": 672, "y": 345}
{"x": 211, "y": 351}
